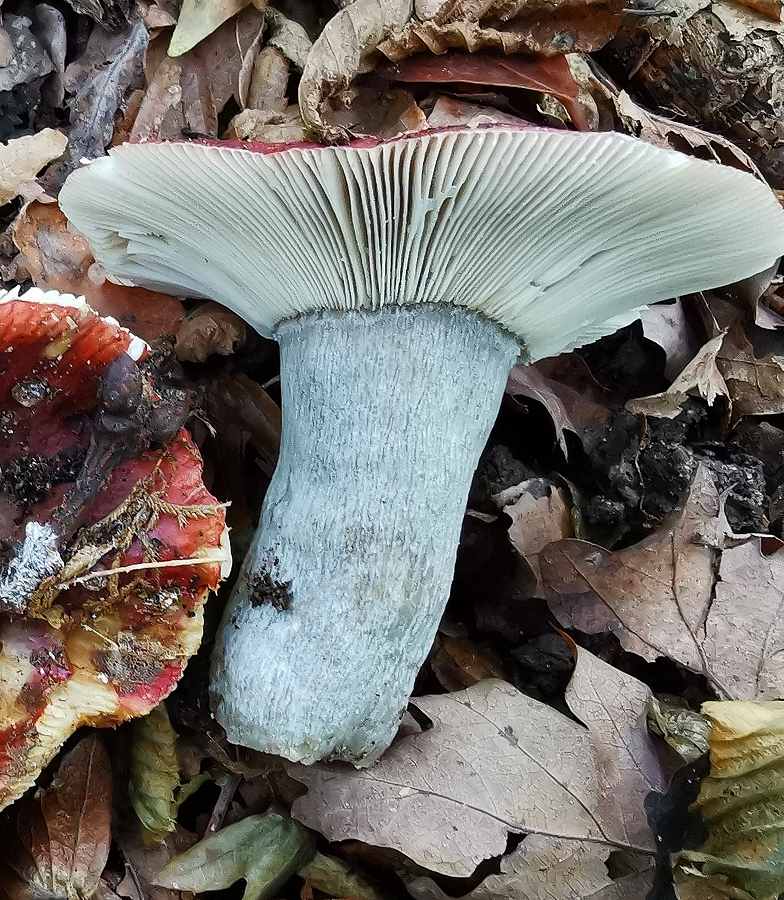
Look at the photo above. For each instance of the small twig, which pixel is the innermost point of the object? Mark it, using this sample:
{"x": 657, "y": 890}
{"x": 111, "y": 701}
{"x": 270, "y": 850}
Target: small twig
{"x": 227, "y": 791}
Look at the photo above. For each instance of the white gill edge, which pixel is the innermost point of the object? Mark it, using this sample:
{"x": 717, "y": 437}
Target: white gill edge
{"x": 54, "y": 298}
{"x": 550, "y": 234}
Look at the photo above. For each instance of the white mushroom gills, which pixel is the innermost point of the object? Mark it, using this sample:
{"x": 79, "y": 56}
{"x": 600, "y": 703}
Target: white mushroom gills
{"x": 395, "y": 276}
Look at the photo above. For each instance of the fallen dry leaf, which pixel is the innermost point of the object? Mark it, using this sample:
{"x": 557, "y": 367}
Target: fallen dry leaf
{"x": 769, "y": 8}
{"x": 62, "y": 835}
{"x": 755, "y": 385}
{"x": 567, "y": 390}
{"x": 667, "y": 325}
{"x": 155, "y": 774}
{"x": 210, "y": 328}
{"x": 493, "y": 764}
{"x": 338, "y": 53}
{"x": 21, "y": 159}
{"x": 57, "y": 259}
{"x": 264, "y": 850}
{"x": 236, "y": 401}
{"x": 267, "y": 83}
{"x": 449, "y": 111}
{"x": 186, "y": 95}
{"x": 741, "y": 803}
{"x": 458, "y": 663}
{"x": 541, "y": 513}
{"x": 701, "y": 377}
{"x": 658, "y": 596}
{"x": 680, "y": 136}
{"x": 110, "y": 66}
{"x": 547, "y": 868}
{"x": 287, "y": 36}
{"x": 549, "y": 75}
{"x": 198, "y": 19}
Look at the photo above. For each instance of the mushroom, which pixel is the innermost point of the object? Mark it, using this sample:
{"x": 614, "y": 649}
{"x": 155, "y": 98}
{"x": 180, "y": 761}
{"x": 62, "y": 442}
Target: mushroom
{"x": 98, "y": 480}
{"x": 402, "y": 280}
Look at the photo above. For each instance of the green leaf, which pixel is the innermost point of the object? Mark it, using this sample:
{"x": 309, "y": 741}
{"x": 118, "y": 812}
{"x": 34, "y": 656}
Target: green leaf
{"x": 334, "y": 877}
{"x": 265, "y": 850}
{"x": 742, "y": 804}
{"x": 155, "y": 774}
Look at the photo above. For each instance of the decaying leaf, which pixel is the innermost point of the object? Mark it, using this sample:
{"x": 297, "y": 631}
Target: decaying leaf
{"x": 701, "y": 377}
{"x": 493, "y": 764}
{"x": 27, "y": 59}
{"x": 658, "y": 596}
{"x": 210, "y": 328}
{"x": 186, "y": 95}
{"x": 684, "y": 729}
{"x": 450, "y": 111}
{"x": 458, "y": 663}
{"x": 21, "y": 159}
{"x": 741, "y": 803}
{"x": 57, "y": 259}
{"x": 565, "y": 387}
{"x": 541, "y": 513}
{"x": 198, "y": 19}
{"x": 548, "y": 868}
{"x": 287, "y": 36}
{"x": 59, "y": 839}
{"x": 755, "y": 385}
{"x": 333, "y": 877}
{"x": 551, "y": 27}
{"x": 265, "y": 850}
{"x": 680, "y": 136}
{"x": 549, "y": 75}
{"x": 338, "y": 53}
{"x": 155, "y": 773}
{"x": 109, "y": 67}
{"x": 705, "y": 60}
{"x": 238, "y": 401}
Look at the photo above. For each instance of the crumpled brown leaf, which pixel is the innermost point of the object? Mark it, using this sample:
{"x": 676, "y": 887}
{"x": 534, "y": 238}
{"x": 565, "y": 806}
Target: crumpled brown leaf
{"x": 659, "y": 597}
{"x": 549, "y": 27}
{"x": 541, "y": 513}
{"x": 755, "y": 385}
{"x": 547, "y": 868}
{"x": 701, "y": 377}
{"x": 22, "y": 158}
{"x": 62, "y": 835}
{"x": 567, "y": 390}
{"x": 494, "y": 762}
{"x": 680, "y": 136}
{"x": 707, "y": 60}
{"x": 339, "y": 52}
{"x": 210, "y": 328}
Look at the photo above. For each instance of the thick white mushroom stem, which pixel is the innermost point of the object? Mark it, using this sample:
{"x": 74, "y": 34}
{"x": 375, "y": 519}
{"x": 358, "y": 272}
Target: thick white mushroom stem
{"x": 385, "y": 414}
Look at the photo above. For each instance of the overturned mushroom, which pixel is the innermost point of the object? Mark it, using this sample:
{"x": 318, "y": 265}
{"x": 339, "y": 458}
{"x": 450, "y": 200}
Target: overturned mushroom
{"x": 109, "y": 541}
{"x": 402, "y": 280}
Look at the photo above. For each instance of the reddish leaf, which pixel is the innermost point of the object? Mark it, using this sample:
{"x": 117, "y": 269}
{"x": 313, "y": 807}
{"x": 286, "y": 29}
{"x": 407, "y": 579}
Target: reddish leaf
{"x": 550, "y": 75}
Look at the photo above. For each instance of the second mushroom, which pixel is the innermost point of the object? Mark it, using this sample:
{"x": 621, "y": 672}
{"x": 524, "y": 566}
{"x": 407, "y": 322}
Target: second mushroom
{"x": 402, "y": 280}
